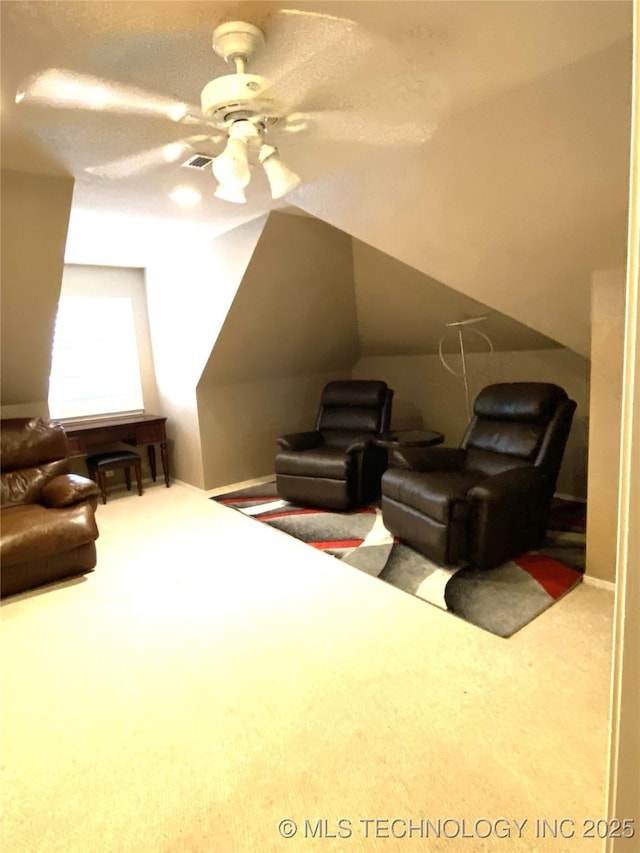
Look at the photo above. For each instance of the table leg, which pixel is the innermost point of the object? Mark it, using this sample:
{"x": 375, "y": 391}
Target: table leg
{"x": 151, "y": 451}
{"x": 165, "y": 462}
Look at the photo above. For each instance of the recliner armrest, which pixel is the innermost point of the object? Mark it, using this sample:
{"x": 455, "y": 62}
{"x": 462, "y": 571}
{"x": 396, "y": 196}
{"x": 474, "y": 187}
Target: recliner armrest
{"x": 360, "y": 443}
{"x": 300, "y": 440}
{"x": 508, "y": 486}
{"x": 428, "y": 458}
{"x": 67, "y": 490}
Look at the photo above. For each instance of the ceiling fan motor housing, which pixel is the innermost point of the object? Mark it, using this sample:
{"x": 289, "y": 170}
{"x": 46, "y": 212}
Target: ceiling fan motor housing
{"x": 238, "y": 96}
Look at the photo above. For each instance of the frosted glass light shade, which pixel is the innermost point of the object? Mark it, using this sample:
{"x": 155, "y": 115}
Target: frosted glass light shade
{"x": 231, "y": 194}
{"x": 231, "y": 168}
{"x": 281, "y": 179}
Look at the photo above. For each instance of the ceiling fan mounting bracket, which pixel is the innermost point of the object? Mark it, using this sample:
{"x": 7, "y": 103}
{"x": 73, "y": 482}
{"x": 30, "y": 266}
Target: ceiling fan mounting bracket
{"x": 237, "y": 39}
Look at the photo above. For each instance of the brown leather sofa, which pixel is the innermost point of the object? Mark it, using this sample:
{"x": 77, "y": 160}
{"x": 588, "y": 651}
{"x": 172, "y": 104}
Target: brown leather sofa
{"x": 488, "y": 500}
{"x": 47, "y": 515}
{"x": 336, "y": 466}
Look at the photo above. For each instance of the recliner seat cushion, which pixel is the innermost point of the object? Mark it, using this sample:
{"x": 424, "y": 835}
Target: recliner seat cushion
{"x": 440, "y": 495}
{"x": 327, "y": 462}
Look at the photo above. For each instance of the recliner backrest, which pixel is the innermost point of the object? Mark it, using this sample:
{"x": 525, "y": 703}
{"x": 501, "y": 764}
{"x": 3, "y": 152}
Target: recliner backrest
{"x": 518, "y": 424}
{"x": 351, "y": 407}
{"x": 33, "y": 452}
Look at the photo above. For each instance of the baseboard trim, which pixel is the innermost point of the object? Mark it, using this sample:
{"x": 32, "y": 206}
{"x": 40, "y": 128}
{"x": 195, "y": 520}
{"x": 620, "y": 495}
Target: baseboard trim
{"x": 599, "y": 583}
{"x": 566, "y": 497}
{"x": 189, "y": 486}
{"x": 233, "y": 487}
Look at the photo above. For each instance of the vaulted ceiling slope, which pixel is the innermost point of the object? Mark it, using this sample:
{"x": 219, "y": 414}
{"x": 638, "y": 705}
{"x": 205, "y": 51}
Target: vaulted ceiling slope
{"x": 404, "y": 312}
{"x": 516, "y": 201}
{"x": 515, "y": 194}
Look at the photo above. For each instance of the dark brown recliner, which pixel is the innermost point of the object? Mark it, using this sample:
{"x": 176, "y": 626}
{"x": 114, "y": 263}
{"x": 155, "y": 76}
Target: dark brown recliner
{"x": 488, "y": 500}
{"x": 336, "y": 466}
{"x": 47, "y": 515}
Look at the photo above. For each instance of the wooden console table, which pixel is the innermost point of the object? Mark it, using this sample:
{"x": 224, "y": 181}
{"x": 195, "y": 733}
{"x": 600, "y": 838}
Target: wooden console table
{"x": 136, "y": 430}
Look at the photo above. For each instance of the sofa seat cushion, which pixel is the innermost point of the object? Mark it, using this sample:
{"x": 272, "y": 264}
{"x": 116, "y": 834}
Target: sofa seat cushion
{"x": 31, "y": 531}
{"x": 440, "y": 495}
{"x": 328, "y": 462}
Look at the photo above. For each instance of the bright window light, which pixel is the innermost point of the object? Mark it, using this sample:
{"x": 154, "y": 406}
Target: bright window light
{"x": 95, "y": 368}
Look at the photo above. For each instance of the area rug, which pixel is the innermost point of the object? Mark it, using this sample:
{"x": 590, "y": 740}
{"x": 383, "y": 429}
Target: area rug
{"x": 501, "y": 600}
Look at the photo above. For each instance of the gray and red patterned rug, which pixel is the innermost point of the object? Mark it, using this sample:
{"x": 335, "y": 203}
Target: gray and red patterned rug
{"x": 501, "y": 600}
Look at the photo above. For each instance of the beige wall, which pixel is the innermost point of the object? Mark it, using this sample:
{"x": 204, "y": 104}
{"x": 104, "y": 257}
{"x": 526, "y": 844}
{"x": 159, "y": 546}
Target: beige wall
{"x": 426, "y": 394}
{"x": 623, "y": 790}
{"x": 607, "y": 347}
{"x": 515, "y": 201}
{"x": 189, "y": 292}
{"x": 35, "y": 216}
{"x": 239, "y": 422}
{"x": 401, "y": 320}
{"x": 291, "y": 328}
{"x": 402, "y": 311}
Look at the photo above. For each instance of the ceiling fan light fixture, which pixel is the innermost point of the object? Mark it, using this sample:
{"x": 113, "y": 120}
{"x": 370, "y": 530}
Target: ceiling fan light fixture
{"x": 282, "y": 179}
{"x": 231, "y": 168}
{"x": 225, "y": 193}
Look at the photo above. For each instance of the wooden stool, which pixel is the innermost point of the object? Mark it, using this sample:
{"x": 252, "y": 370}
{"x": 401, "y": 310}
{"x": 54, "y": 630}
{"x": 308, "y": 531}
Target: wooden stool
{"x": 100, "y": 463}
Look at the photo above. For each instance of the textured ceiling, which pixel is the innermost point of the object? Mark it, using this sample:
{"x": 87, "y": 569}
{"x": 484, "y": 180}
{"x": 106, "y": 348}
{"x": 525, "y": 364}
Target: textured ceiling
{"x": 417, "y": 62}
{"x": 497, "y": 107}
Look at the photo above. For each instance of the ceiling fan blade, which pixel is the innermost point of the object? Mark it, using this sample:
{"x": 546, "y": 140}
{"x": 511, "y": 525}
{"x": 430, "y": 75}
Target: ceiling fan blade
{"x": 357, "y": 126}
{"x": 58, "y": 87}
{"x": 150, "y": 159}
{"x": 308, "y": 49}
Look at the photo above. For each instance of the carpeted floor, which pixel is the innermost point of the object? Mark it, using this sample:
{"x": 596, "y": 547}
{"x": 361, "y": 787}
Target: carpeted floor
{"x": 501, "y": 600}
{"x": 212, "y": 678}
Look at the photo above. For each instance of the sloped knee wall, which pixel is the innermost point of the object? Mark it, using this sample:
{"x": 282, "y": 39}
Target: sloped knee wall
{"x": 291, "y": 328}
{"x": 35, "y": 218}
{"x": 188, "y": 297}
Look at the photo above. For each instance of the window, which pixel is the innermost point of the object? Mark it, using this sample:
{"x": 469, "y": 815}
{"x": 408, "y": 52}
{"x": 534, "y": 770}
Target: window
{"x": 95, "y": 368}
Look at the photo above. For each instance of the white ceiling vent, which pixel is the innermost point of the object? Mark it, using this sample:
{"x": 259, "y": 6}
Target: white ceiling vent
{"x": 197, "y": 161}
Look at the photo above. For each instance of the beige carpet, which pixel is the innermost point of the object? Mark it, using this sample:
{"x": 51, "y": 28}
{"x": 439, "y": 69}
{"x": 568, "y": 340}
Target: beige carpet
{"x": 188, "y": 695}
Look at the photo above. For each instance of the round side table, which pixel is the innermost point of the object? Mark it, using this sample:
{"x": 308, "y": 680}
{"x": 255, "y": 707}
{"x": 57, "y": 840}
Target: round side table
{"x": 408, "y": 438}
{"x": 397, "y": 440}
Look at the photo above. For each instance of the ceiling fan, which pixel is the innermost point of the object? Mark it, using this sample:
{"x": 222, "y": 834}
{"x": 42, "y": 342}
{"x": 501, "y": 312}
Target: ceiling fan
{"x": 247, "y": 112}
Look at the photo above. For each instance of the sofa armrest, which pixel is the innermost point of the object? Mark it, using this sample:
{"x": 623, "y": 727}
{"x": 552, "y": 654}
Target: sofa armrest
{"x": 300, "y": 440}
{"x": 428, "y": 458}
{"x": 66, "y": 490}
